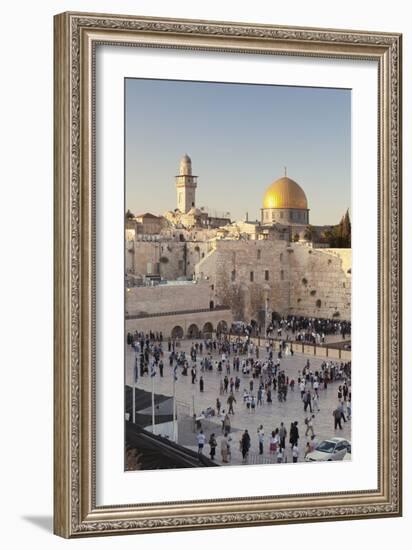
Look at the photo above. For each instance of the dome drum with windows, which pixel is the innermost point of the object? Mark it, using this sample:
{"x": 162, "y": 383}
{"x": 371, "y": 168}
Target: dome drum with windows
{"x": 285, "y": 202}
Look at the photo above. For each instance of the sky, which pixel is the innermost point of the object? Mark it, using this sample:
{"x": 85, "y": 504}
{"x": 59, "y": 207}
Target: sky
{"x": 239, "y": 137}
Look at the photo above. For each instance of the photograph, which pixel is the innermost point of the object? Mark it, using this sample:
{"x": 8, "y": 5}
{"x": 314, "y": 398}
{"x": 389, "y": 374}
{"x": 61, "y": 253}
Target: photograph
{"x": 215, "y": 185}
{"x": 237, "y": 274}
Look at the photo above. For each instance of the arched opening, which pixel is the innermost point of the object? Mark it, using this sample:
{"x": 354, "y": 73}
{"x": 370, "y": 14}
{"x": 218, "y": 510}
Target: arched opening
{"x": 193, "y": 331}
{"x": 222, "y": 327}
{"x": 207, "y": 330}
{"x": 211, "y": 304}
{"x": 177, "y": 332}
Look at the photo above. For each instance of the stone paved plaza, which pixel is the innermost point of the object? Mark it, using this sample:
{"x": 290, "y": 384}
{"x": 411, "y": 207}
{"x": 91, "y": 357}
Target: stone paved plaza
{"x": 270, "y": 415}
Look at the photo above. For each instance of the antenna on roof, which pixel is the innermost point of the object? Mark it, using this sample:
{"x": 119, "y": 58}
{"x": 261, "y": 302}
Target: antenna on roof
{"x": 286, "y": 171}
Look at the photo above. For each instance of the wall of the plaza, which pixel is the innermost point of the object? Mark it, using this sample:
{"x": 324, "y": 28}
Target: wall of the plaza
{"x": 169, "y": 297}
{"x": 249, "y": 276}
{"x": 321, "y": 282}
{"x": 203, "y": 320}
{"x": 246, "y": 274}
{"x": 290, "y": 278}
{"x": 169, "y": 259}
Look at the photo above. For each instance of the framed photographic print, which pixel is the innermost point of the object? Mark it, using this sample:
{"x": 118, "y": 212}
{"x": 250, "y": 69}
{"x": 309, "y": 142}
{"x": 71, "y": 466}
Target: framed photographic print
{"x": 227, "y": 274}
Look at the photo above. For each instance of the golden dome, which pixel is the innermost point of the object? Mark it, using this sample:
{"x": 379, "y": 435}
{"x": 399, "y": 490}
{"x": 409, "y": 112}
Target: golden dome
{"x": 285, "y": 193}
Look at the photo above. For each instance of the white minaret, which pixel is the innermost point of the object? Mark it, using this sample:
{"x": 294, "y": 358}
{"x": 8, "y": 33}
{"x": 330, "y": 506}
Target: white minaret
{"x": 186, "y": 185}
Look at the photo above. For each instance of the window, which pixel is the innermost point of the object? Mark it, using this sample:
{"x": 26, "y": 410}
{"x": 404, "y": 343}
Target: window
{"x": 266, "y": 275}
{"x": 281, "y": 256}
{"x": 259, "y": 254}
{"x": 233, "y": 275}
{"x": 251, "y": 276}
{"x": 282, "y": 275}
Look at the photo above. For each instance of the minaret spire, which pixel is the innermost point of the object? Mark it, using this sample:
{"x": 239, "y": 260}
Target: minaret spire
{"x": 186, "y": 184}
{"x": 286, "y": 171}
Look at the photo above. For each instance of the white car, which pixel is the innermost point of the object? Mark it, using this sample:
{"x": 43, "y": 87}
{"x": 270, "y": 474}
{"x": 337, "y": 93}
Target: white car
{"x": 329, "y": 449}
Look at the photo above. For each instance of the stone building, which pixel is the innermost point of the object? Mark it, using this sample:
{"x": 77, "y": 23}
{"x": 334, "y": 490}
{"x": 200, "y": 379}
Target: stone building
{"x": 253, "y": 268}
{"x": 177, "y": 309}
{"x": 187, "y": 214}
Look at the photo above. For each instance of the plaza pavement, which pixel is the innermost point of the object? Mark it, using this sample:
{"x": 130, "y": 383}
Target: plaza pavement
{"x": 269, "y": 415}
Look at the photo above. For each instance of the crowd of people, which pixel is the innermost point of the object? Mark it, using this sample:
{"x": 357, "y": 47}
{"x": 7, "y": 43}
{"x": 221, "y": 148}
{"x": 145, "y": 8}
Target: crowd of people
{"x": 309, "y": 329}
{"x": 249, "y": 377}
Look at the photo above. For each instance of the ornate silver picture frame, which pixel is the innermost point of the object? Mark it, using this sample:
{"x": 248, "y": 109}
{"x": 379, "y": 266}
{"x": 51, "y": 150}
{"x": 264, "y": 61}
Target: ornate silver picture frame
{"x": 76, "y": 37}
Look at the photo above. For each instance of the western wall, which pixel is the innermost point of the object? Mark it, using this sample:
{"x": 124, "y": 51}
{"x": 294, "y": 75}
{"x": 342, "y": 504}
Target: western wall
{"x": 287, "y": 278}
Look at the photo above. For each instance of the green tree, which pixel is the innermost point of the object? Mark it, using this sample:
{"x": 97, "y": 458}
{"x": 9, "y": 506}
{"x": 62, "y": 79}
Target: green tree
{"x": 339, "y": 236}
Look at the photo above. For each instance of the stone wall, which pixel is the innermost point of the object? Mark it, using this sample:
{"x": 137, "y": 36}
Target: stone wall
{"x": 248, "y": 276}
{"x": 203, "y": 321}
{"x": 321, "y": 282}
{"x": 169, "y": 259}
{"x": 169, "y": 297}
{"x": 287, "y": 279}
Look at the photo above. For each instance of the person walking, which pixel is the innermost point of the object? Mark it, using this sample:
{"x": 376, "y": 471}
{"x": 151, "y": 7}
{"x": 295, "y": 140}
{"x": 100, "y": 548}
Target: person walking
{"x": 294, "y": 434}
{"x": 337, "y": 418}
{"x": 230, "y": 400}
{"x": 213, "y": 445}
{"x": 226, "y": 424}
{"x": 307, "y": 401}
{"x": 261, "y": 438}
{"x": 201, "y": 440}
{"x": 218, "y": 406}
{"x": 282, "y": 435}
{"x": 342, "y": 411}
{"x": 201, "y": 384}
{"x": 245, "y": 445}
{"x": 273, "y": 443}
{"x": 309, "y": 425}
{"x": 295, "y": 453}
{"x": 315, "y": 400}
{"x": 259, "y": 396}
{"x": 225, "y": 449}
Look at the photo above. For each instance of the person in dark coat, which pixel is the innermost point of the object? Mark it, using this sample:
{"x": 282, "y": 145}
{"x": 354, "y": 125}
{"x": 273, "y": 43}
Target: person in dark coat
{"x": 245, "y": 444}
{"x": 294, "y": 434}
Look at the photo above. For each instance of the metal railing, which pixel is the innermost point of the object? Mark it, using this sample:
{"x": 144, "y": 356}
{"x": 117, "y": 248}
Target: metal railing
{"x": 255, "y": 458}
{"x": 331, "y": 351}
